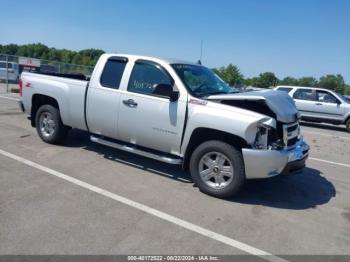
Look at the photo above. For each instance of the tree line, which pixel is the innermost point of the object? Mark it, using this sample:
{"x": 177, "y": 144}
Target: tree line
{"x": 231, "y": 73}
{"x": 40, "y": 51}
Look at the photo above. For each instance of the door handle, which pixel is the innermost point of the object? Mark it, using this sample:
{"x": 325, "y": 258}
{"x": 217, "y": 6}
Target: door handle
{"x": 319, "y": 104}
{"x": 130, "y": 103}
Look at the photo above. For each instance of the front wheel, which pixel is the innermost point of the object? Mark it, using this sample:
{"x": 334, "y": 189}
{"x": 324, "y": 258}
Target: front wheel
{"x": 49, "y": 125}
{"x": 217, "y": 168}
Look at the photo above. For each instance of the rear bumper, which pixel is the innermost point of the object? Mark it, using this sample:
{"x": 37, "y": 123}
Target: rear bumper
{"x": 269, "y": 163}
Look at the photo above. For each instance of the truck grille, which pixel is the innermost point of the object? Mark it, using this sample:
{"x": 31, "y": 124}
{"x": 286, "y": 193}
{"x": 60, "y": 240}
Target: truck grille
{"x": 291, "y": 133}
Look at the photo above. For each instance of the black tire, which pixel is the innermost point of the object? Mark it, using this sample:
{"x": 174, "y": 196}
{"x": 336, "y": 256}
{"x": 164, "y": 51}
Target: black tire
{"x": 232, "y": 154}
{"x": 59, "y": 131}
{"x": 347, "y": 124}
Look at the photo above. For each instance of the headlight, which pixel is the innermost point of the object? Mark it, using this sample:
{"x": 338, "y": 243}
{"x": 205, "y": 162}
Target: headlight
{"x": 262, "y": 134}
{"x": 265, "y": 128}
{"x": 261, "y": 139}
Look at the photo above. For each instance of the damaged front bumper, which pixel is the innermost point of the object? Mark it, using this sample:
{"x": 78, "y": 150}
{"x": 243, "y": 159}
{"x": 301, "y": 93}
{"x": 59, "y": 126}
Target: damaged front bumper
{"x": 268, "y": 163}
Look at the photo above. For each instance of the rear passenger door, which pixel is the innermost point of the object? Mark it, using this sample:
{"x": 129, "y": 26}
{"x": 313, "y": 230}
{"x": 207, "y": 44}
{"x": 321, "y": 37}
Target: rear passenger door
{"x": 103, "y": 98}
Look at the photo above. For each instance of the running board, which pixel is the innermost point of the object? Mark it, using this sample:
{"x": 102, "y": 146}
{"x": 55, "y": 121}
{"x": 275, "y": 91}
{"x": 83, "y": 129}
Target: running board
{"x": 137, "y": 151}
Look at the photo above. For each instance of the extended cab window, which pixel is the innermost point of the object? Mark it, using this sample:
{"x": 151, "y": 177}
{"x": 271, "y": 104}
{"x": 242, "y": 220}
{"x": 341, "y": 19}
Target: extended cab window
{"x": 145, "y": 76}
{"x": 304, "y": 94}
{"x": 112, "y": 73}
{"x": 326, "y": 97}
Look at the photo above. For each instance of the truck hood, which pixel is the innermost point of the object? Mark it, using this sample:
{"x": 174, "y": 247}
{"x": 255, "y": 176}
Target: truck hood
{"x": 273, "y": 103}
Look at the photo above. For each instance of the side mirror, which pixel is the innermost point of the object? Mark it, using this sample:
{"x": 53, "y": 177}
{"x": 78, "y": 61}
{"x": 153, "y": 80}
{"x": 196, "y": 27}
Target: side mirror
{"x": 174, "y": 96}
{"x": 167, "y": 91}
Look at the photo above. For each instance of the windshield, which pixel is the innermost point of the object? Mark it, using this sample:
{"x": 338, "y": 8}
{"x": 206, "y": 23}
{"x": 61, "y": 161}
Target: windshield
{"x": 344, "y": 98}
{"x": 201, "y": 81}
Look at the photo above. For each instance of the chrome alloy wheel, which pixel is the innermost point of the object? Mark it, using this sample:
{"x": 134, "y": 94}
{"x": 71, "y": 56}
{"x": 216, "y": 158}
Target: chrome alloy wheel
{"x": 47, "y": 124}
{"x": 216, "y": 170}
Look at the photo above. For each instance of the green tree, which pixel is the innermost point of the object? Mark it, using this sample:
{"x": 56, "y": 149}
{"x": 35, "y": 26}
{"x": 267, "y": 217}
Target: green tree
{"x": 10, "y": 49}
{"x": 40, "y": 51}
{"x": 308, "y": 81}
{"x": 289, "y": 81}
{"x": 347, "y": 90}
{"x": 247, "y": 82}
{"x": 333, "y": 82}
{"x": 266, "y": 80}
{"x": 254, "y": 81}
{"x": 230, "y": 75}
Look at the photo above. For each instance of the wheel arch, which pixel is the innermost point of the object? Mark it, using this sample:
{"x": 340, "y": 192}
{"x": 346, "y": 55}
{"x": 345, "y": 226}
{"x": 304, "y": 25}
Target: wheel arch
{"x": 37, "y": 101}
{"x": 201, "y": 134}
{"x": 347, "y": 118}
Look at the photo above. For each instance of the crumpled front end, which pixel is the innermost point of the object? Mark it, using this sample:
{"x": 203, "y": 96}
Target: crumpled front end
{"x": 265, "y": 163}
{"x": 275, "y": 145}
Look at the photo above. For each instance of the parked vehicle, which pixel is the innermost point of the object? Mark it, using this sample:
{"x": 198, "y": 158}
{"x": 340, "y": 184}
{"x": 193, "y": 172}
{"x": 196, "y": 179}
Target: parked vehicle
{"x": 12, "y": 71}
{"x": 320, "y": 105}
{"x": 175, "y": 112}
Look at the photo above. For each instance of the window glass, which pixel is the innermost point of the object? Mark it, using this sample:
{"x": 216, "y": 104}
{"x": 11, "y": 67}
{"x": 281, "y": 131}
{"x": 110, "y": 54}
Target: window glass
{"x": 145, "y": 76}
{"x": 3, "y": 65}
{"x": 112, "y": 73}
{"x": 201, "y": 81}
{"x": 285, "y": 89}
{"x": 326, "y": 97}
{"x": 304, "y": 94}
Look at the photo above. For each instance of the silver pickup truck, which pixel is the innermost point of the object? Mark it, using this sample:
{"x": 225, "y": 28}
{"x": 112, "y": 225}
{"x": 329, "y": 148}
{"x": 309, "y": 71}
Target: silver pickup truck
{"x": 172, "y": 111}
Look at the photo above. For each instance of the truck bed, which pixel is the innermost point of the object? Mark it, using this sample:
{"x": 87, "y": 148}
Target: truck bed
{"x": 68, "y": 92}
{"x": 71, "y": 76}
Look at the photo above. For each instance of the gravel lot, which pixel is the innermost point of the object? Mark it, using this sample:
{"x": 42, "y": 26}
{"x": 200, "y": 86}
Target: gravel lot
{"x": 306, "y": 213}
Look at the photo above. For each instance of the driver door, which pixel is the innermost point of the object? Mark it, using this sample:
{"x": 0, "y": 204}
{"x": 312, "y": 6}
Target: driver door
{"x": 147, "y": 119}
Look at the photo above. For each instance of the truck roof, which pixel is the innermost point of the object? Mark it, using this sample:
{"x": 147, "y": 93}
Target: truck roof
{"x": 305, "y": 87}
{"x": 153, "y": 58}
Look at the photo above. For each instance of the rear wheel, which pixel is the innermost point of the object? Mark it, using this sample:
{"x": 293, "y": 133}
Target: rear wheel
{"x": 347, "y": 124}
{"x": 49, "y": 125}
{"x": 217, "y": 168}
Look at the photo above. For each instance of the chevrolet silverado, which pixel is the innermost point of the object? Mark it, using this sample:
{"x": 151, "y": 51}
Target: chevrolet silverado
{"x": 172, "y": 111}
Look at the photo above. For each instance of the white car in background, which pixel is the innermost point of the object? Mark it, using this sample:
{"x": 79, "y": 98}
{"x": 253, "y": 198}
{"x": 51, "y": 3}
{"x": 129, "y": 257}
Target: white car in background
{"x": 12, "y": 73}
{"x": 320, "y": 105}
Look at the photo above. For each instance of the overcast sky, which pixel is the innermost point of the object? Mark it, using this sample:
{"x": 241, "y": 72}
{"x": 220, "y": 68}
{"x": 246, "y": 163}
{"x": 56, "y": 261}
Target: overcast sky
{"x": 291, "y": 38}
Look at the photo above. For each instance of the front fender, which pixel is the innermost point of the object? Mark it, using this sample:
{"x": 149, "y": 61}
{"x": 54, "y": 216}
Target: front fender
{"x": 239, "y": 122}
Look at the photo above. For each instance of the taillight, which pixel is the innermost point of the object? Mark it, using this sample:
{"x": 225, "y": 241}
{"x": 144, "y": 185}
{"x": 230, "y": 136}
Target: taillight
{"x": 20, "y": 86}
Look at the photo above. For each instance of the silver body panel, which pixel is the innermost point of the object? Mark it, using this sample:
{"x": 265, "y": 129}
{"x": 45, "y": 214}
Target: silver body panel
{"x": 279, "y": 102}
{"x": 156, "y": 123}
{"x": 69, "y": 94}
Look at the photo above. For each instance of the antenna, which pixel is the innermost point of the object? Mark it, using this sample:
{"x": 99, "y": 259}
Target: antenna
{"x": 201, "y": 54}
